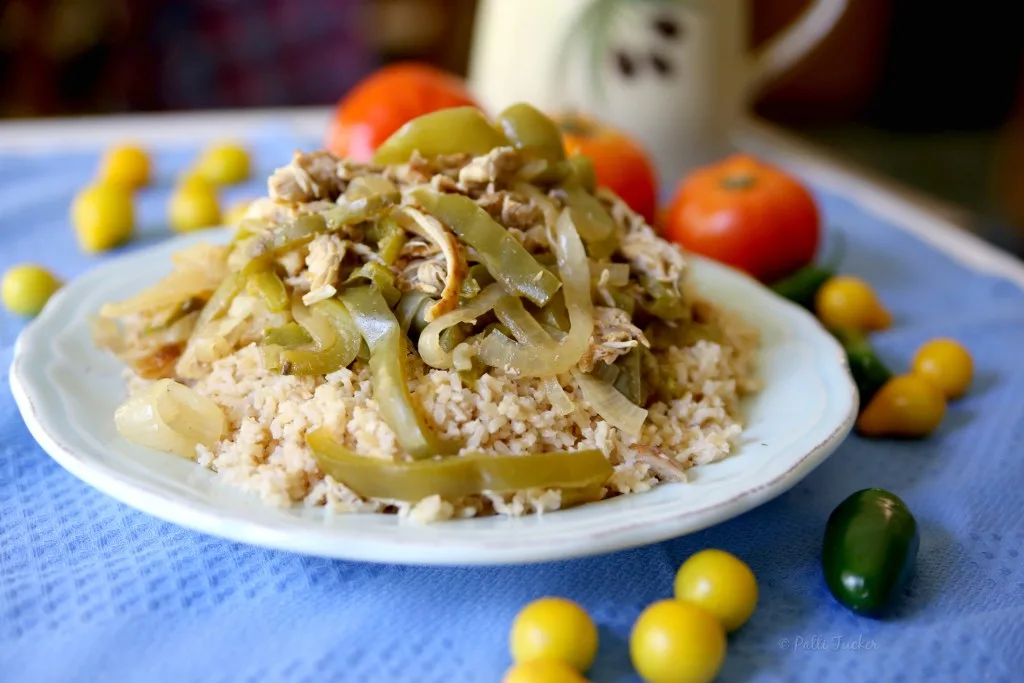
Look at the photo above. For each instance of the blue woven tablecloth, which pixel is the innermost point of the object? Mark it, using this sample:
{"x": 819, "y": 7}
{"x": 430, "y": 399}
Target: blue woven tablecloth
{"x": 93, "y": 591}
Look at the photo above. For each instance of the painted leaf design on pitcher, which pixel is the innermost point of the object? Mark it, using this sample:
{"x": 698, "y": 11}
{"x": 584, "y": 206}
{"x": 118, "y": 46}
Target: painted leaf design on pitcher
{"x": 593, "y": 30}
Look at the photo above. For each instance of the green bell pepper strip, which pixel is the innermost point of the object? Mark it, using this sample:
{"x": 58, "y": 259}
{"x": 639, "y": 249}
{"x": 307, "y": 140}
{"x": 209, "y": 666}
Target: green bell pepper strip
{"x": 583, "y": 172}
{"x": 448, "y": 131}
{"x": 221, "y": 299}
{"x": 390, "y": 238}
{"x": 287, "y": 335}
{"x": 466, "y": 475}
{"x": 379, "y": 276}
{"x": 335, "y": 340}
{"x": 268, "y": 286}
{"x": 362, "y": 187}
{"x": 661, "y": 300}
{"x": 532, "y": 132}
{"x": 630, "y": 380}
{"x": 477, "y": 278}
{"x": 593, "y": 222}
{"x": 869, "y": 550}
{"x": 352, "y": 211}
{"x": 263, "y": 250}
{"x": 379, "y": 327}
{"x": 411, "y": 311}
{"x": 505, "y": 258}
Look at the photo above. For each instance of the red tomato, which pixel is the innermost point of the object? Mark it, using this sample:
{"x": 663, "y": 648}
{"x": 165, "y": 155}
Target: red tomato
{"x": 620, "y": 163}
{"x": 385, "y": 100}
{"x": 747, "y": 214}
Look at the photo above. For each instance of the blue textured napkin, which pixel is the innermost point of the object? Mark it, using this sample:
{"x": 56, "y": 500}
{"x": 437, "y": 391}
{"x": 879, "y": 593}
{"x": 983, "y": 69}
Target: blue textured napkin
{"x": 93, "y": 591}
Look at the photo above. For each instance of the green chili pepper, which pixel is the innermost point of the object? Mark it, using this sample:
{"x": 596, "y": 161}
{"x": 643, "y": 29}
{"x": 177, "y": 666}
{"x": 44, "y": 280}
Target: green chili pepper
{"x": 802, "y": 286}
{"x": 466, "y": 475}
{"x": 505, "y": 258}
{"x": 869, "y": 372}
{"x": 379, "y": 327}
{"x": 869, "y": 550}
{"x": 448, "y": 131}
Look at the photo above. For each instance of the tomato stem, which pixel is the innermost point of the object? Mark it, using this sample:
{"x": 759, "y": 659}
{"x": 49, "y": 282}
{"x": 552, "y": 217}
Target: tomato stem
{"x": 743, "y": 181}
{"x": 574, "y": 124}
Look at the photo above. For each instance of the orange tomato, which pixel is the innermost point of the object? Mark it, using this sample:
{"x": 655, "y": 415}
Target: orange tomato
{"x": 747, "y": 214}
{"x": 620, "y": 163}
{"x": 385, "y": 100}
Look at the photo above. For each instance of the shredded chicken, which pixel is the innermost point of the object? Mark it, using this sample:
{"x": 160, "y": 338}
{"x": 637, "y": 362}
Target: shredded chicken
{"x": 326, "y": 252}
{"x": 432, "y": 229}
{"x": 293, "y": 262}
{"x": 614, "y": 336}
{"x": 491, "y": 169}
{"x": 266, "y": 210}
{"x": 426, "y": 275}
{"x": 651, "y": 256}
{"x": 308, "y": 177}
{"x": 662, "y": 464}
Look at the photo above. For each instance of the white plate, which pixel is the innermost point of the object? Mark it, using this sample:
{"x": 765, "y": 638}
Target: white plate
{"x": 67, "y": 391}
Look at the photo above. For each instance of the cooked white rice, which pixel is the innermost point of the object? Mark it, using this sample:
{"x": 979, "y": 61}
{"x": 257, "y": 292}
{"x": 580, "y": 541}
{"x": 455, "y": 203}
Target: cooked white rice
{"x": 269, "y": 414}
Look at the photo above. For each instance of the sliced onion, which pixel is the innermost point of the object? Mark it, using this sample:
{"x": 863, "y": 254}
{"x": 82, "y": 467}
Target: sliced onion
{"x": 462, "y": 357}
{"x": 429, "y": 346}
{"x": 560, "y": 400}
{"x": 613, "y": 407}
{"x": 173, "y": 290}
{"x": 170, "y": 417}
{"x": 540, "y": 199}
{"x": 531, "y": 361}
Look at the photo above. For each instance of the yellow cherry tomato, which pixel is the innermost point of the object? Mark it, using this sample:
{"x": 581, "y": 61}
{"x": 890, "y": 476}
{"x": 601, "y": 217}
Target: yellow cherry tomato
{"x": 907, "y": 406}
{"x": 947, "y": 364}
{"x": 126, "y": 165}
{"x": 26, "y": 288}
{"x": 542, "y": 671}
{"x": 236, "y": 212}
{"x": 721, "y": 583}
{"x": 677, "y": 642}
{"x": 224, "y": 164}
{"x": 845, "y": 302}
{"x": 102, "y": 217}
{"x": 554, "y": 628}
{"x": 193, "y": 207}
{"x": 192, "y": 177}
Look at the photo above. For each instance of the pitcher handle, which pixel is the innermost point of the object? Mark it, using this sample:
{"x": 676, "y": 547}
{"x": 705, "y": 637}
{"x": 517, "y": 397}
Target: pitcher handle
{"x": 794, "y": 42}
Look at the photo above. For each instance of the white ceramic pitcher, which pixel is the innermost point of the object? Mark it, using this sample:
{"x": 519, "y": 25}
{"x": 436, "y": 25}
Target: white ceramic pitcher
{"x": 676, "y": 74}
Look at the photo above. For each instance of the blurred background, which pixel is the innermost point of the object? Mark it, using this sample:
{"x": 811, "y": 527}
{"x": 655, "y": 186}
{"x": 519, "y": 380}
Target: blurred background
{"x": 928, "y": 93}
